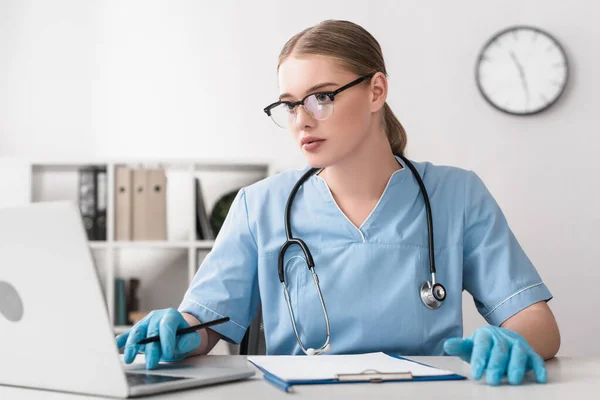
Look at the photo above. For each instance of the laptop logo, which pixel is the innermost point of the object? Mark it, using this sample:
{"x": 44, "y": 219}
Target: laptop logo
{"x": 11, "y": 306}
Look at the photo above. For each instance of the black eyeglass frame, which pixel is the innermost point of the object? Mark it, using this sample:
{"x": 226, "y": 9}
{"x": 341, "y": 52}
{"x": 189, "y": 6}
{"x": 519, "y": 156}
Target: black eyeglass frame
{"x": 293, "y": 104}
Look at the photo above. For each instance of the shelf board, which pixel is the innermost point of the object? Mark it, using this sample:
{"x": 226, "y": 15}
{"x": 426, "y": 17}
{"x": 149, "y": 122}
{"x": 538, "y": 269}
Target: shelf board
{"x": 160, "y": 244}
{"x": 150, "y": 243}
{"x": 98, "y": 244}
{"x": 203, "y": 244}
{"x": 164, "y": 244}
{"x": 118, "y": 329}
{"x": 204, "y": 163}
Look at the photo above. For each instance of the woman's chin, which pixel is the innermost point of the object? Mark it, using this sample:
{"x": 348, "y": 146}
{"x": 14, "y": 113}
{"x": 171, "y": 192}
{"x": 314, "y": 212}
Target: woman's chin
{"x": 321, "y": 159}
{"x": 316, "y": 161}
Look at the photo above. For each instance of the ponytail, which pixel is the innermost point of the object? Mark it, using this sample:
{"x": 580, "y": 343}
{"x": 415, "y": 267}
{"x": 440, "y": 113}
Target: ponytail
{"x": 394, "y": 130}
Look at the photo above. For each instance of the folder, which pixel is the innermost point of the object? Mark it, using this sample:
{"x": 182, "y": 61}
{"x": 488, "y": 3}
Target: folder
{"x": 140, "y": 205}
{"x": 123, "y": 203}
{"x": 156, "y": 207}
{"x": 286, "y": 371}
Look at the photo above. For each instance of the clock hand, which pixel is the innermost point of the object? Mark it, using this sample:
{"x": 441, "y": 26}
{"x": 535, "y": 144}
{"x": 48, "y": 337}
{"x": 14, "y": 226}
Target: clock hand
{"x": 522, "y": 75}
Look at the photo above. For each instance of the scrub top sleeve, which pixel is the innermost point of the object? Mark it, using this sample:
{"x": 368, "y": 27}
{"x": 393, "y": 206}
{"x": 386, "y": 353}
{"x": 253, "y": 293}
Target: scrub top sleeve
{"x": 496, "y": 270}
{"x": 226, "y": 282}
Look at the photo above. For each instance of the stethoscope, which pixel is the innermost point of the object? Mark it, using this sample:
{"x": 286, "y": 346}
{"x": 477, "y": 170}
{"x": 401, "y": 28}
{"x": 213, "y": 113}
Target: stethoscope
{"x": 432, "y": 293}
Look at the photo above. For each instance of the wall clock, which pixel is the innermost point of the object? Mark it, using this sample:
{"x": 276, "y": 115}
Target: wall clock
{"x": 522, "y": 70}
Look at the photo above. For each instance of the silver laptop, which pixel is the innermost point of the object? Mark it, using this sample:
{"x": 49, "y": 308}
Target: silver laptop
{"x": 55, "y": 331}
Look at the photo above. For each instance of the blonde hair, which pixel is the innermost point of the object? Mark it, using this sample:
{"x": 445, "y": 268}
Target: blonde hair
{"x": 357, "y": 51}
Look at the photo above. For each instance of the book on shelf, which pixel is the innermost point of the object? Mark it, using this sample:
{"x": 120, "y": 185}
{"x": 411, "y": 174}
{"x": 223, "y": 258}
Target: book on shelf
{"x": 133, "y": 301}
{"x": 136, "y": 316}
{"x": 120, "y": 302}
{"x": 92, "y": 200}
{"x": 127, "y": 302}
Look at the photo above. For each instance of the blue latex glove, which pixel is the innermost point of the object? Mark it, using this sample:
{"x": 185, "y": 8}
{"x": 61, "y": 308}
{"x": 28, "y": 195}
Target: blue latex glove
{"x": 170, "y": 348}
{"x": 499, "y": 352}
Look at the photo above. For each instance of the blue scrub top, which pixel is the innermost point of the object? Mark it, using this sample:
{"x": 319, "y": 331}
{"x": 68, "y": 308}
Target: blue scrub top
{"x": 370, "y": 276}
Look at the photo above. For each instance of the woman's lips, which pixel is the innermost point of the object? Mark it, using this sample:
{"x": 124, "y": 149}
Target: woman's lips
{"x": 313, "y": 145}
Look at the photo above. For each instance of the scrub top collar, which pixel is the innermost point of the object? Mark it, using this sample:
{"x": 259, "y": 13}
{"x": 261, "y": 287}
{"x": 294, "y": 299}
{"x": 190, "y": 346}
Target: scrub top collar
{"x": 360, "y": 231}
{"x": 396, "y": 177}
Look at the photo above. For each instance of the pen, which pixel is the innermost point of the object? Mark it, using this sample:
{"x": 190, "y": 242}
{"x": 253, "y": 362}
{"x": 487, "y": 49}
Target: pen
{"x": 189, "y": 329}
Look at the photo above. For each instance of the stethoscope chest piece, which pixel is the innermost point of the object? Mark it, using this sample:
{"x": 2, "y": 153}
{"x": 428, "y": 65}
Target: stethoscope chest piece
{"x": 433, "y": 296}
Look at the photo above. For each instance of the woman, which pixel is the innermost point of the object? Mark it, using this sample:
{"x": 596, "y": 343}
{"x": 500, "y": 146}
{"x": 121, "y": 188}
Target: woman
{"x": 363, "y": 217}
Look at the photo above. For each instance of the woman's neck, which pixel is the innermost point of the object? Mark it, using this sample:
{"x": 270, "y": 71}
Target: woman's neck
{"x": 362, "y": 176}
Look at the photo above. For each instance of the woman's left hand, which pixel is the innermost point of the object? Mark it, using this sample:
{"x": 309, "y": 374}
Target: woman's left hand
{"x": 498, "y": 352}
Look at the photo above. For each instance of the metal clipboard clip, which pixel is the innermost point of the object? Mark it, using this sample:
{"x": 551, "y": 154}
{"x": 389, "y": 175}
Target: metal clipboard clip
{"x": 374, "y": 376}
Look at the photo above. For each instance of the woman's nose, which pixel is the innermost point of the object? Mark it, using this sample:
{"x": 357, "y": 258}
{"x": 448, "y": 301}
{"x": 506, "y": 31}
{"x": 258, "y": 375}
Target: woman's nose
{"x": 303, "y": 118}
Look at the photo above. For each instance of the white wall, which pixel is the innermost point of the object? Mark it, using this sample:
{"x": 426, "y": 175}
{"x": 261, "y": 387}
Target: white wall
{"x": 190, "y": 79}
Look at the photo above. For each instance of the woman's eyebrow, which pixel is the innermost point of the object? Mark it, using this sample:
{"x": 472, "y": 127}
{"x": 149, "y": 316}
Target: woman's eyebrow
{"x": 311, "y": 89}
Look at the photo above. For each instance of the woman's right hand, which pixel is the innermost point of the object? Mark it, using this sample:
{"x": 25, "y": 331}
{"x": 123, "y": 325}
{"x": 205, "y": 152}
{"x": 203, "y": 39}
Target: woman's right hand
{"x": 171, "y": 347}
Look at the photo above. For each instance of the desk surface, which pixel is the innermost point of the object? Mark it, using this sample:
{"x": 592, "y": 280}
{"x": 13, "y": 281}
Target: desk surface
{"x": 568, "y": 377}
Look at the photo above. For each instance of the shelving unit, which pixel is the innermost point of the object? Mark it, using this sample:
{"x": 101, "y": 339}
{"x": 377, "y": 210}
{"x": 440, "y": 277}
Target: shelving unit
{"x": 53, "y": 180}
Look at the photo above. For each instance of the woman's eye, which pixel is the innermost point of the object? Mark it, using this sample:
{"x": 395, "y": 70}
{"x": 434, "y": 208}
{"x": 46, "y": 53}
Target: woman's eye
{"x": 322, "y": 97}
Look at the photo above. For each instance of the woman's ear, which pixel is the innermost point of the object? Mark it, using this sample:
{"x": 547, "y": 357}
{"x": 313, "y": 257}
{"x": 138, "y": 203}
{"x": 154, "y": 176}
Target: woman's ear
{"x": 379, "y": 88}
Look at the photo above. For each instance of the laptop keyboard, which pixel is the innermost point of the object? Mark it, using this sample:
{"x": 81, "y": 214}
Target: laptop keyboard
{"x": 138, "y": 379}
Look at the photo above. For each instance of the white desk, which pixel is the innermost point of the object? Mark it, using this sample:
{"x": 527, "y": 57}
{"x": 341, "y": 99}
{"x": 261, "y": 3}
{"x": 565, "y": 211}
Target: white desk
{"x": 568, "y": 378}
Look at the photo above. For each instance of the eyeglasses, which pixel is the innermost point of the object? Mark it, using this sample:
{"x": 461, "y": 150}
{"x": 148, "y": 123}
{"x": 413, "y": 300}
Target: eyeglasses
{"x": 318, "y": 105}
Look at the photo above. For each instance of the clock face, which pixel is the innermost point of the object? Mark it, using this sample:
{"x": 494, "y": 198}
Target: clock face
{"x": 522, "y": 71}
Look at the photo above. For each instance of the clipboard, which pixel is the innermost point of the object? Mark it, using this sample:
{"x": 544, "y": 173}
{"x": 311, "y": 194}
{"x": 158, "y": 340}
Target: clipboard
{"x": 365, "y": 376}
{"x": 374, "y": 376}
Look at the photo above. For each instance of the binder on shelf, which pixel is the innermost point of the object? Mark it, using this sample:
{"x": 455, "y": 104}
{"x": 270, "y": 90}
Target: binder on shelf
{"x": 156, "y": 206}
{"x": 123, "y": 221}
{"x": 87, "y": 200}
{"x": 140, "y": 205}
{"x": 92, "y": 201}
{"x": 204, "y": 230}
{"x": 101, "y": 198}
